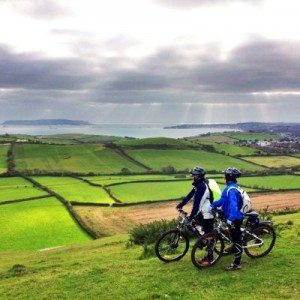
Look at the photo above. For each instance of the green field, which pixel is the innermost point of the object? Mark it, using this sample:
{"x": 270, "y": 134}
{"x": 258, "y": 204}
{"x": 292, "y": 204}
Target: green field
{"x": 248, "y": 136}
{"x": 108, "y": 269}
{"x": 3, "y": 158}
{"x": 151, "y": 191}
{"x": 213, "y": 138}
{"x": 274, "y": 161}
{"x": 15, "y": 188}
{"x": 38, "y": 224}
{"x": 234, "y": 150}
{"x": 71, "y": 158}
{"x": 183, "y": 159}
{"x": 278, "y": 182}
{"x": 75, "y": 190}
{"x": 112, "y": 179}
{"x": 157, "y": 143}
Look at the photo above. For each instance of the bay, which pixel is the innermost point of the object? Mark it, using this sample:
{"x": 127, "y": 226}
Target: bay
{"x": 120, "y": 130}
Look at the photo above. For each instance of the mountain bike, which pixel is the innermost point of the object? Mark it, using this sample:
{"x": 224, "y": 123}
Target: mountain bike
{"x": 172, "y": 245}
{"x": 258, "y": 239}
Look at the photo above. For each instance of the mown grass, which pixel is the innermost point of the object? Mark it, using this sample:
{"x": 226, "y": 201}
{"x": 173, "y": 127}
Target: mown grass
{"x": 151, "y": 191}
{"x": 72, "y": 189}
{"x": 112, "y": 179}
{"x": 278, "y": 182}
{"x": 3, "y": 158}
{"x": 107, "y": 269}
{"x": 14, "y": 188}
{"x": 249, "y": 136}
{"x": 73, "y": 158}
{"x": 38, "y": 224}
{"x": 235, "y": 150}
{"x": 213, "y": 138}
{"x": 158, "y": 143}
{"x": 279, "y": 161}
{"x": 76, "y": 138}
{"x": 180, "y": 159}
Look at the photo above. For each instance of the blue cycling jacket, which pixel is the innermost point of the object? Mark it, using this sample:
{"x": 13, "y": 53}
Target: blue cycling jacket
{"x": 230, "y": 203}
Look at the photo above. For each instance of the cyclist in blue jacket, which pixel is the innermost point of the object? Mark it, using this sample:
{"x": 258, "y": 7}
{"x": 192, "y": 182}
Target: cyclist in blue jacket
{"x": 230, "y": 202}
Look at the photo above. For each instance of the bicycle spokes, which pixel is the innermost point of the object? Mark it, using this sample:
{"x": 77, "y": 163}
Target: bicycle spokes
{"x": 260, "y": 241}
{"x": 207, "y": 251}
{"x": 171, "y": 246}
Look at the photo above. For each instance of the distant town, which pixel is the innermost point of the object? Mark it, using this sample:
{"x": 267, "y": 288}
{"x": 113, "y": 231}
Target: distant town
{"x": 286, "y": 129}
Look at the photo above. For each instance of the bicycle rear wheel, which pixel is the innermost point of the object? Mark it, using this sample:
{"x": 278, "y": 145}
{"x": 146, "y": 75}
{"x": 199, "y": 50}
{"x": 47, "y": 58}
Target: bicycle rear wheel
{"x": 172, "y": 245}
{"x": 260, "y": 241}
{"x": 207, "y": 250}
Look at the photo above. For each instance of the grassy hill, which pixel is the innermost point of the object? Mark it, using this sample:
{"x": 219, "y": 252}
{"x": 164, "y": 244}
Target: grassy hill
{"x": 109, "y": 269}
{"x": 74, "y": 267}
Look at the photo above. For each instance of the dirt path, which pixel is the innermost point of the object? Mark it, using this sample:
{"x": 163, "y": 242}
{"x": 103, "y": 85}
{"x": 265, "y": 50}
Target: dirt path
{"x": 109, "y": 220}
{"x": 275, "y": 201}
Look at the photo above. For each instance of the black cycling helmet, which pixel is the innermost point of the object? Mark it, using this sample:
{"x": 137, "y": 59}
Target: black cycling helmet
{"x": 232, "y": 173}
{"x": 198, "y": 171}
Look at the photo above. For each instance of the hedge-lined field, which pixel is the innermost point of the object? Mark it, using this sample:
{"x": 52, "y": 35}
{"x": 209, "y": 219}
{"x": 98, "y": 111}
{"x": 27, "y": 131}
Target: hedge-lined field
{"x": 112, "y": 179}
{"x": 159, "y": 142}
{"x": 183, "y": 159}
{"x": 249, "y": 136}
{"x": 274, "y": 183}
{"x": 16, "y": 188}
{"x": 3, "y": 158}
{"x": 71, "y": 158}
{"x": 76, "y": 190}
{"x": 38, "y": 224}
{"x": 234, "y": 150}
{"x": 277, "y": 161}
{"x": 151, "y": 191}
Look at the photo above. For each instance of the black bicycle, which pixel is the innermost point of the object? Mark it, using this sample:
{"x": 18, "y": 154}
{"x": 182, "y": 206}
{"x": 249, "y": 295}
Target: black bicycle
{"x": 258, "y": 239}
{"x": 172, "y": 245}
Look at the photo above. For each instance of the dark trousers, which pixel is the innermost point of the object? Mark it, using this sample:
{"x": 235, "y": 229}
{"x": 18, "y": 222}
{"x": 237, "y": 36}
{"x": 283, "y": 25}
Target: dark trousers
{"x": 235, "y": 232}
{"x": 207, "y": 224}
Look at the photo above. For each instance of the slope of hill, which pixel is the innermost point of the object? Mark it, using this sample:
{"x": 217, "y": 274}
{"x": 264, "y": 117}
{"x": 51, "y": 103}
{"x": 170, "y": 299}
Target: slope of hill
{"x": 107, "y": 269}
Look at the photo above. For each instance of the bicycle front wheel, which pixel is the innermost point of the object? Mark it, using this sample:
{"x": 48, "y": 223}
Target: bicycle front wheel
{"x": 207, "y": 250}
{"x": 172, "y": 245}
{"x": 260, "y": 241}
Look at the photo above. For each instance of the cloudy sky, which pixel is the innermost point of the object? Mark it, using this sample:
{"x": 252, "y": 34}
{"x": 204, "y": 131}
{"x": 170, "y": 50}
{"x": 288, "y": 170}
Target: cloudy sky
{"x": 167, "y": 61}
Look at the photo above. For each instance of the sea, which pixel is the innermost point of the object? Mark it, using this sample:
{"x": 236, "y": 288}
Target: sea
{"x": 120, "y": 130}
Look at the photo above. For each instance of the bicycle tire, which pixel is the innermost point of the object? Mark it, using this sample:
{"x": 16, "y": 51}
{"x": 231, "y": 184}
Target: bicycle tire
{"x": 264, "y": 232}
{"x": 200, "y": 250}
{"x": 172, "y": 245}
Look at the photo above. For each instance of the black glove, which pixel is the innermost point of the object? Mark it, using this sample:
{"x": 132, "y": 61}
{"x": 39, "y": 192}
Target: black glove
{"x": 179, "y": 206}
{"x": 214, "y": 212}
{"x": 190, "y": 219}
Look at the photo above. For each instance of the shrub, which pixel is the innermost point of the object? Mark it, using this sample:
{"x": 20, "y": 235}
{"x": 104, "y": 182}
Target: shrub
{"x": 144, "y": 234}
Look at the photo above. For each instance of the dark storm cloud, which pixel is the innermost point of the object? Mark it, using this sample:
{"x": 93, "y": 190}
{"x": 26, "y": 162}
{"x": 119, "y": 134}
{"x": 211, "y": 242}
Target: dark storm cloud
{"x": 254, "y": 67}
{"x": 29, "y": 71}
{"x": 257, "y": 66}
{"x": 168, "y": 76}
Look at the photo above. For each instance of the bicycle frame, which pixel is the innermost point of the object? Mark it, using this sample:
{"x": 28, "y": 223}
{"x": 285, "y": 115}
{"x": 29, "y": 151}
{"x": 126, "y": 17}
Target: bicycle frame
{"x": 185, "y": 222}
{"x": 223, "y": 232}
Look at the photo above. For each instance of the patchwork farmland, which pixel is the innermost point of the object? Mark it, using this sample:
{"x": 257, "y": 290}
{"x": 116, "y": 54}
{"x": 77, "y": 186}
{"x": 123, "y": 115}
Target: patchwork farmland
{"x": 96, "y": 182}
